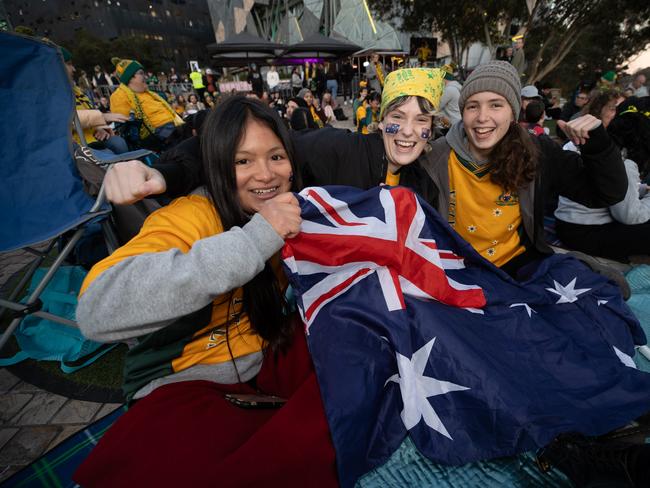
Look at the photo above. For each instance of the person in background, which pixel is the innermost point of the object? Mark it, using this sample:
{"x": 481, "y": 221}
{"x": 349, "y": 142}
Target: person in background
{"x": 320, "y": 79}
{"x": 296, "y": 81}
{"x": 211, "y": 79}
{"x": 638, "y": 85}
{"x": 193, "y": 104}
{"x": 328, "y": 107}
{"x": 209, "y": 101}
{"x": 449, "y": 101}
{"x": 292, "y": 104}
{"x": 576, "y": 104}
{"x": 317, "y": 115}
{"x": 519, "y": 57}
{"x": 179, "y": 105}
{"x": 528, "y": 94}
{"x": 152, "y": 80}
{"x": 173, "y": 76}
{"x": 358, "y": 102}
{"x": 534, "y": 116}
{"x": 94, "y": 123}
{"x": 255, "y": 80}
{"x": 347, "y": 74}
{"x": 623, "y": 229}
{"x": 368, "y": 114}
{"x": 197, "y": 81}
{"x": 309, "y": 73}
{"x": 272, "y": 78}
{"x": 159, "y": 119}
{"x": 85, "y": 85}
{"x": 607, "y": 80}
{"x": 101, "y": 78}
{"x": 104, "y": 105}
{"x": 375, "y": 73}
{"x": 332, "y": 75}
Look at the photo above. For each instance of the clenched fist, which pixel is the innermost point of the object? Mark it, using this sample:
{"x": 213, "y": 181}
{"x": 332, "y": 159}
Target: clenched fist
{"x": 283, "y": 213}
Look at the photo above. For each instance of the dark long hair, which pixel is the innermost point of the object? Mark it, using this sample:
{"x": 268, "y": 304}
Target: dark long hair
{"x": 630, "y": 129}
{"x": 513, "y": 160}
{"x": 221, "y": 134}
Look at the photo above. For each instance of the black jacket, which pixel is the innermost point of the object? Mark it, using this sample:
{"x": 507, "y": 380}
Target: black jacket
{"x": 596, "y": 178}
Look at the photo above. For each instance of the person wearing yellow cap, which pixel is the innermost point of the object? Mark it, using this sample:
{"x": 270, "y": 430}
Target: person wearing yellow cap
{"x": 519, "y": 57}
{"x": 133, "y": 98}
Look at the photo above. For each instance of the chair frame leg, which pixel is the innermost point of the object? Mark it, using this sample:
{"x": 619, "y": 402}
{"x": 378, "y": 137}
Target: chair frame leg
{"x": 43, "y": 283}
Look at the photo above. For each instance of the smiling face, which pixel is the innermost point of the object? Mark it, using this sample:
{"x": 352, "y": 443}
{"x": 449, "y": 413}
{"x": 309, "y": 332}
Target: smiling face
{"x": 262, "y": 167}
{"x": 487, "y": 117}
{"x": 291, "y": 106}
{"x": 404, "y": 145}
{"x": 308, "y": 97}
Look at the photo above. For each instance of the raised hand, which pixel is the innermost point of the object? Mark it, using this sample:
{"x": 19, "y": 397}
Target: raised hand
{"x": 131, "y": 181}
{"x": 578, "y": 129}
{"x": 283, "y": 213}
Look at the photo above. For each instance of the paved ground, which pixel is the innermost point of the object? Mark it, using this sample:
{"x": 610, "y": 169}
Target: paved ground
{"x": 33, "y": 421}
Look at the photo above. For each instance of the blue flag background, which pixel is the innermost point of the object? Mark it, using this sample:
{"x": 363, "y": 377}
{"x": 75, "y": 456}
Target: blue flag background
{"x": 550, "y": 355}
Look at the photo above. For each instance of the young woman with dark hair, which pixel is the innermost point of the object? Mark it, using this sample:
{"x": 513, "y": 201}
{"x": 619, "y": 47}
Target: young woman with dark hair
{"x": 201, "y": 291}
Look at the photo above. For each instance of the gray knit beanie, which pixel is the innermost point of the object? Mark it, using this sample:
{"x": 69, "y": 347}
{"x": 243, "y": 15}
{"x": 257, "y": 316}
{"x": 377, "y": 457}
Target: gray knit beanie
{"x": 498, "y": 77}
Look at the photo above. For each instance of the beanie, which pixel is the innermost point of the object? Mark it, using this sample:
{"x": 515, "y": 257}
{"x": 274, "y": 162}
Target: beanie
{"x": 498, "y": 77}
{"x": 609, "y": 76}
{"x": 125, "y": 69}
{"x": 449, "y": 71}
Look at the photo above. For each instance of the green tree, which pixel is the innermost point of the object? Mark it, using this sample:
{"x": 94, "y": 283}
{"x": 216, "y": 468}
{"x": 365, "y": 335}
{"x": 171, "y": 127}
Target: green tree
{"x": 88, "y": 51}
{"x": 600, "y": 32}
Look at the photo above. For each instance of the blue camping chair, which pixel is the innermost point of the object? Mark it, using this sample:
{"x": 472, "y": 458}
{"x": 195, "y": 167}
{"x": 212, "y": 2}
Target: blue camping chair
{"x": 42, "y": 195}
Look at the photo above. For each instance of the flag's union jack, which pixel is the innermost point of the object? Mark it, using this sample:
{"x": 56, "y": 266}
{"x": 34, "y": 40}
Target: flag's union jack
{"x": 393, "y": 248}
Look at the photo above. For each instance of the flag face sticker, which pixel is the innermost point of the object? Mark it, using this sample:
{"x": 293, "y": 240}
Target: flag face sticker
{"x": 413, "y": 333}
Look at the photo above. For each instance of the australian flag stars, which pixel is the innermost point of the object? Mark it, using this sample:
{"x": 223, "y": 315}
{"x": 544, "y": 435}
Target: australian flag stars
{"x": 413, "y": 333}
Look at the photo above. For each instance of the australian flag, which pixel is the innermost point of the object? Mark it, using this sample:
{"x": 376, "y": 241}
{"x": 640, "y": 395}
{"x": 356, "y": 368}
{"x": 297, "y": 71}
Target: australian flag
{"x": 413, "y": 333}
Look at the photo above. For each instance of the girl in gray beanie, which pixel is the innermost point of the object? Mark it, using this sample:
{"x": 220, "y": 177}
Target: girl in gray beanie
{"x": 493, "y": 179}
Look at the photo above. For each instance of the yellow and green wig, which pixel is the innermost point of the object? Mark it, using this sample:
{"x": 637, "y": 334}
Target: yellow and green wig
{"x": 413, "y": 82}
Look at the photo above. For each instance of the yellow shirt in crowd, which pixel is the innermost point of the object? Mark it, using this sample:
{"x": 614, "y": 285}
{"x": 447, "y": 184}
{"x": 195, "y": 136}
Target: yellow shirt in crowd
{"x": 482, "y": 213}
{"x": 157, "y": 114}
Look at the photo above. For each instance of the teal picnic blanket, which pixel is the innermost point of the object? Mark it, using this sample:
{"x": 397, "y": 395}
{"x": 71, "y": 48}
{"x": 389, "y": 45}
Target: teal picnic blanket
{"x": 639, "y": 280}
{"x": 408, "y": 468}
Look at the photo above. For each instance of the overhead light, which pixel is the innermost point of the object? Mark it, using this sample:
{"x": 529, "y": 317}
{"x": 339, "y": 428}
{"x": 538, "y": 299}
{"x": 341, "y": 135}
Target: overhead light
{"x": 366, "y": 64}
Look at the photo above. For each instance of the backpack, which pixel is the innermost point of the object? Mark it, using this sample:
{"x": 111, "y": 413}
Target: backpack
{"x": 43, "y": 339}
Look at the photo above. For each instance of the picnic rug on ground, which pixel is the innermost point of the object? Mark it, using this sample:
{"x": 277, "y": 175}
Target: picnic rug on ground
{"x": 407, "y": 467}
{"x": 55, "y": 468}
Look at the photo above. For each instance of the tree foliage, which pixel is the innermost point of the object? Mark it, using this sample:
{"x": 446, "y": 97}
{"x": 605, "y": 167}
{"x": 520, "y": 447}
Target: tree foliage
{"x": 606, "y": 30}
{"x": 88, "y": 51}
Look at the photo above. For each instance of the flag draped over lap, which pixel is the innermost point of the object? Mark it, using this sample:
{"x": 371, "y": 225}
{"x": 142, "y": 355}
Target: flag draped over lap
{"x": 413, "y": 333}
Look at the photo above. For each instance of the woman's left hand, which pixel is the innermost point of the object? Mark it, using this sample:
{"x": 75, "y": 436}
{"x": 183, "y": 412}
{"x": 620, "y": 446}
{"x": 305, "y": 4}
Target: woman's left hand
{"x": 578, "y": 129}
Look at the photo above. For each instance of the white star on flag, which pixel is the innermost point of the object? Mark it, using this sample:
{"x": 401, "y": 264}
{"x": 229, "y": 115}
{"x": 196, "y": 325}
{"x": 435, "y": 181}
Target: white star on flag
{"x": 626, "y": 359}
{"x": 416, "y": 388}
{"x": 526, "y": 306}
{"x": 601, "y": 302}
{"x": 568, "y": 293}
